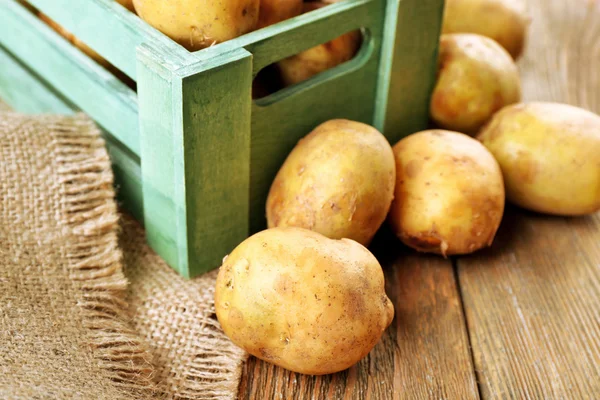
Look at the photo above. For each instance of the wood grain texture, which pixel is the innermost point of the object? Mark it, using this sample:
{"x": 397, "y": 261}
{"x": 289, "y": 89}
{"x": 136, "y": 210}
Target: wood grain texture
{"x": 531, "y": 303}
{"x": 532, "y": 300}
{"x": 424, "y": 354}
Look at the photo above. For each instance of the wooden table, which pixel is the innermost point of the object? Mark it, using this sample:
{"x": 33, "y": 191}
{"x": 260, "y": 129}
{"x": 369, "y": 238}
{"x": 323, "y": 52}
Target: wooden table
{"x": 519, "y": 320}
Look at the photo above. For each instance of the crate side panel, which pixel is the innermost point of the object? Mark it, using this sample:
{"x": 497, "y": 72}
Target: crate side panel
{"x": 216, "y": 129}
{"x": 82, "y": 81}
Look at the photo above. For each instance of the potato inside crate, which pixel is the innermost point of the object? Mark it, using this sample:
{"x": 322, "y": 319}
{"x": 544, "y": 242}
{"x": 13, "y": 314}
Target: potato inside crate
{"x": 193, "y": 153}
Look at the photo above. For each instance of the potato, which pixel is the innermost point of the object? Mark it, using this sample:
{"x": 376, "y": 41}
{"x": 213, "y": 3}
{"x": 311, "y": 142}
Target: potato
{"x": 273, "y": 11}
{"x": 449, "y": 193}
{"x": 313, "y": 61}
{"x": 127, "y": 4}
{"x": 505, "y": 21}
{"x": 550, "y": 156}
{"x": 476, "y": 78}
{"x": 299, "y": 300}
{"x": 198, "y": 24}
{"x": 338, "y": 181}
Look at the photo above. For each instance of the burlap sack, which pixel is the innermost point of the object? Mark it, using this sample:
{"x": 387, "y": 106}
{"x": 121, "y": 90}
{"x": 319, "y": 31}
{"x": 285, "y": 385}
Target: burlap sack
{"x": 65, "y": 324}
{"x": 193, "y": 358}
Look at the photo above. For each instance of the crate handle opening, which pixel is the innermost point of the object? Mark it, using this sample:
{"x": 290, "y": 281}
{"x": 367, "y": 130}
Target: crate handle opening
{"x": 286, "y": 77}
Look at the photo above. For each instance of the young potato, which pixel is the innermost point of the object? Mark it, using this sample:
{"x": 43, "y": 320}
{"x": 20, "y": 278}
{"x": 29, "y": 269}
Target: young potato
{"x": 273, "y": 11}
{"x": 449, "y": 193}
{"x": 313, "y": 61}
{"x": 127, "y": 4}
{"x": 338, "y": 181}
{"x": 505, "y": 21}
{"x": 476, "y": 78}
{"x": 304, "y": 302}
{"x": 550, "y": 156}
{"x": 198, "y": 24}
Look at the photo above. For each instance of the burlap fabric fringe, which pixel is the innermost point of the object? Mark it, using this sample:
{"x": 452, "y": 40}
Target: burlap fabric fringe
{"x": 65, "y": 322}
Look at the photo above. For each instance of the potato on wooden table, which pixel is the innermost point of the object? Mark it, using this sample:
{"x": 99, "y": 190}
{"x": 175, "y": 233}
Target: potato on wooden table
{"x": 550, "y": 156}
{"x": 505, "y": 21}
{"x": 449, "y": 193}
{"x": 476, "y": 78}
{"x": 338, "y": 181}
{"x": 313, "y": 61}
{"x": 299, "y": 300}
{"x": 199, "y": 24}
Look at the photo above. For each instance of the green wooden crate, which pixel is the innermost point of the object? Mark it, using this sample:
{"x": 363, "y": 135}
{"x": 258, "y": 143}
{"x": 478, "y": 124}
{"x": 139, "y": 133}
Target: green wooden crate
{"x": 193, "y": 154}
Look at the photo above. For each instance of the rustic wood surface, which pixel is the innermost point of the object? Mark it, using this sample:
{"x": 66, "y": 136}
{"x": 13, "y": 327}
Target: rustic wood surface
{"x": 532, "y": 301}
{"x": 532, "y": 326}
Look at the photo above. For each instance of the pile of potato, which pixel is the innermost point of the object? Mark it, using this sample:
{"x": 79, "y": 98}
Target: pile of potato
{"x": 306, "y": 294}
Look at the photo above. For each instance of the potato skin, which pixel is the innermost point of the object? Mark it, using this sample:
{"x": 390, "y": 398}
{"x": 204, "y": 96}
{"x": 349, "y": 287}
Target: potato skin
{"x": 299, "y": 300}
{"x": 338, "y": 181}
{"x": 196, "y": 25}
{"x": 273, "y": 11}
{"x": 505, "y": 21}
{"x": 449, "y": 193}
{"x": 313, "y": 61}
{"x": 550, "y": 156}
{"x": 476, "y": 78}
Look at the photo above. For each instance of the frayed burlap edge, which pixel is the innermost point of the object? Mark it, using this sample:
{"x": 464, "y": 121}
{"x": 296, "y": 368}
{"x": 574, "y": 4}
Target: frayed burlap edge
{"x": 93, "y": 255}
{"x": 193, "y": 357}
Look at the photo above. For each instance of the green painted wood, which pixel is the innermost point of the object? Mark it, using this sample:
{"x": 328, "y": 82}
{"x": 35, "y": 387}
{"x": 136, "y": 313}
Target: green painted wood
{"x": 112, "y": 31}
{"x": 81, "y": 80}
{"x": 216, "y": 142}
{"x": 26, "y": 92}
{"x": 195, "y": 129}
{"x": 408, "y": 66}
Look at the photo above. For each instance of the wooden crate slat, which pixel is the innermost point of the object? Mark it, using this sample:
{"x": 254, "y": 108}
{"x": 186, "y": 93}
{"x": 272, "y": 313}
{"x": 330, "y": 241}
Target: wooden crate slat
{"x": 297, "y": 34}
{"x": 40, "y": 98}
{"x": 84, "y": 82}
{"x": 112, "y": 31}
{"x": 408, "y": 65}
{"x": 24, "y": 92}
{"x": 195, "y": 158}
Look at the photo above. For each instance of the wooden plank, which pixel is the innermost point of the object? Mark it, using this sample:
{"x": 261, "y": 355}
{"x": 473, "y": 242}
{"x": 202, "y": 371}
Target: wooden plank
{"x": 216, "y": 99}
{"x": 112, "y": 31}
{"x": 532, "y": 308}
{"x": 26, "y": 92}
{"x": 81, "y": 80}
{"x": 23, "y": 92}
{"x": 424, "y": 354}
{"x": 408, "y": 66}
{"x": 195, "y": 125}
{"x": 532, "y": 300}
